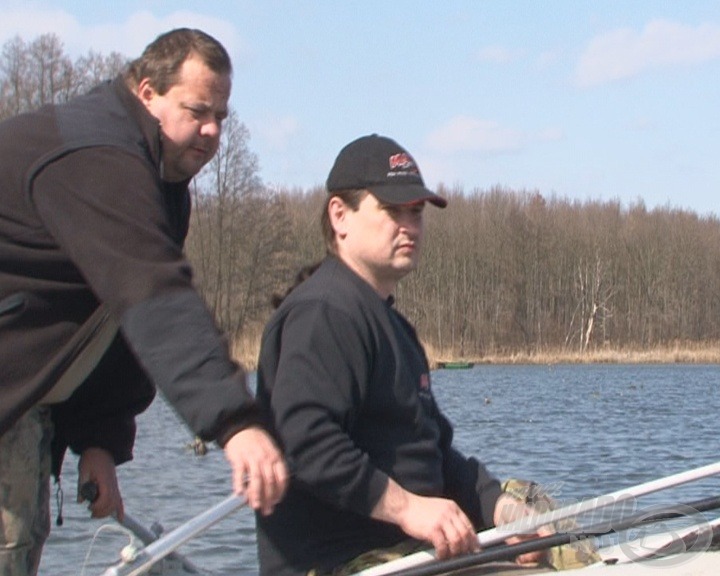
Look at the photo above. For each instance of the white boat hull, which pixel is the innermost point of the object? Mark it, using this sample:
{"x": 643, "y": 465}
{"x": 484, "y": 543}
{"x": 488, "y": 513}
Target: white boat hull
{"x": 679, "y": 553}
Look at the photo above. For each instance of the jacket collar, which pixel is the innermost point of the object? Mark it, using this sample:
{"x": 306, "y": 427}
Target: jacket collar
{"x": 148, "y": 124}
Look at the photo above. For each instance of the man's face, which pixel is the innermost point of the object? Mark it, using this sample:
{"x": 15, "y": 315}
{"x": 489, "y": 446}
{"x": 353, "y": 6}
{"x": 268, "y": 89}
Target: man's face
{"x": 380, "y": 242}
{"x": 190, "y": 115}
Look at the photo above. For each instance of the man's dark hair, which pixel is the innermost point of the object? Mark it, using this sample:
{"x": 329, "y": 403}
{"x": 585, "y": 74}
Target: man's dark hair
{"x": 350, "y": 197}
{"x": 162, "y": 59}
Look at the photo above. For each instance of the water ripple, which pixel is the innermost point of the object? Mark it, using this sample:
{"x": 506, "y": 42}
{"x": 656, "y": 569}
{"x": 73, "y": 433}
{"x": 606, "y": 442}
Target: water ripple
{"x": 582, "y": 431}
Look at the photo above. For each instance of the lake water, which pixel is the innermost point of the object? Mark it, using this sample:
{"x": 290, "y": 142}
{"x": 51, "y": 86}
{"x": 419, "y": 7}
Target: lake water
{"x": 581, "y": 431}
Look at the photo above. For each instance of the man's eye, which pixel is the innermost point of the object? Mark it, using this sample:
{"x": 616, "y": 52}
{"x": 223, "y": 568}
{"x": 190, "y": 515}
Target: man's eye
{"x": 196, "y": 112}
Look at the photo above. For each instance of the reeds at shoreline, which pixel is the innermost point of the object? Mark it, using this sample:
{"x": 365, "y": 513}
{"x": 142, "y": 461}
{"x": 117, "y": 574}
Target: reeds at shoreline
{"x": 246, "y": 352}
{"x": 695, "y": 354}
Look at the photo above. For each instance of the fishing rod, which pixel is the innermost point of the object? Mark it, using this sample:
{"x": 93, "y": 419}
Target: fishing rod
{"x": 89, "y": 491}
{"x": 498, "y": 535}
{"x": 511, "y": 551}
{"x": 160, "y": 548}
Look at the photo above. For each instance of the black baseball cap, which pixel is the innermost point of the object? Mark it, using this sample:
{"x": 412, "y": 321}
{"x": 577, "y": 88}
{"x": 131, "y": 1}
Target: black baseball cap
{"x": 383, "y": 167}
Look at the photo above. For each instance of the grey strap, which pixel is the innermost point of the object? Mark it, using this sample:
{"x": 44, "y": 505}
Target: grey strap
{"x": 102, "y": 330}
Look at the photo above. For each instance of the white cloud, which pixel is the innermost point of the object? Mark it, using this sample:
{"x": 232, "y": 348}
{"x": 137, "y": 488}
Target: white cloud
{"x": 277, "y": 132}
{"x": 496, "y": 55}
{"x": 467, "y": 134}
{"x": 550, "y": 135}
{"x": 625, "y": 53}
{"x": 141, "y": 28}
{"x": 30, "y": 23}
{"x": 474, "y": 135}
{"x": 642, "y": 124}
{"x": 549, "y": 58}
{"x": 128, "y": 37}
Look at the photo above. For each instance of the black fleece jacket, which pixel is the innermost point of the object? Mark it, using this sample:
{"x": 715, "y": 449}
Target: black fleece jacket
{"x": 85, "y": 218}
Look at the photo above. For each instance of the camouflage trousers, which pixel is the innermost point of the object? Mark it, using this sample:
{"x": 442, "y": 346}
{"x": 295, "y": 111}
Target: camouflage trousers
{"x": 373, "y": 558}
{"x": 568, "y": 556}
{"x": 575, "y": 555}
{"x": 25, "y": 492}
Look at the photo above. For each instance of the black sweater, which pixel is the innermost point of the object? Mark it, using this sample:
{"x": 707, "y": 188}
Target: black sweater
{"x": 348, "y": 386}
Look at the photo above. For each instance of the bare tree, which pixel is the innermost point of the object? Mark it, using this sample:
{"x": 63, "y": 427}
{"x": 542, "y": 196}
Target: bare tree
{"x": 51, "y": 71}
{"x": 14, "y": 67}
{"x": 502, "y": 270}
{"x": 94, "y": 68}
{"x": 37, "y": 73}
{"x": 239, "y": 238}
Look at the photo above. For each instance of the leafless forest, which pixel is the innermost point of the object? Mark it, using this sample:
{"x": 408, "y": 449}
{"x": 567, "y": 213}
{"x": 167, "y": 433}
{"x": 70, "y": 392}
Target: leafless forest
{"x": 503, "y": 271}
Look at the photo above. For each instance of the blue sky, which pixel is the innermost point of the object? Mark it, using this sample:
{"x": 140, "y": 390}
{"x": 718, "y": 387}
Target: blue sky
{"x": 586, "y": 100}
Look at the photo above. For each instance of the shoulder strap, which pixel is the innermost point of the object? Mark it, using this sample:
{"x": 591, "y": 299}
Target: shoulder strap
{"x": 93, "y": 339}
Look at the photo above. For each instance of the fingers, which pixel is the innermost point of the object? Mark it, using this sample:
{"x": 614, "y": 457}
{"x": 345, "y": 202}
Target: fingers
{"x": 530, "y": 559}
{"x": 268, "y": 484}
{"x": 264, "y": 484}
{"x": 106, "y": 499}
{"x": 259, "y": 470}
{"x": 96, "y": 468}
{"x": 507, "y": 510}
{"x": 455, "y": 537}
{"x": 438, "y": 521}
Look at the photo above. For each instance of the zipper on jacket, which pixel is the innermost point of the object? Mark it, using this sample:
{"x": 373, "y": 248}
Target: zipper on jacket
{"x": 12, "y": 303}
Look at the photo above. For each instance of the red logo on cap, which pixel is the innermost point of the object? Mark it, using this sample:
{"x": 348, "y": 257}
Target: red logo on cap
{"x": 402, "y": 161}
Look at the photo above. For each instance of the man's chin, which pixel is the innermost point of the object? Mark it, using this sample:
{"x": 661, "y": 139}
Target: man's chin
{"x": 184, "y": 172}
{"x": 404, "y": 268}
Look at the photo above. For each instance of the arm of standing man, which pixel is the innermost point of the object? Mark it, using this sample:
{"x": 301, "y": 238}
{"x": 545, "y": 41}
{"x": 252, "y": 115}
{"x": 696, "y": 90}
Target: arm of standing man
{"x": 146, "y": 283}
{"x": 98, "y": 466}
{"x": 259, "y": 470}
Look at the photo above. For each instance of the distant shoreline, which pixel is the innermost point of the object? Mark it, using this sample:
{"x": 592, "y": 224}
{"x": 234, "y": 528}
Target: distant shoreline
{"x": 692, "y": 353}
{"x": 246, "y": 352}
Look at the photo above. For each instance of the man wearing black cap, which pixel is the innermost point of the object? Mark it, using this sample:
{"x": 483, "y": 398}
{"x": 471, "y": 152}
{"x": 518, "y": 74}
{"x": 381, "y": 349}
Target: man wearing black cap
{"x": 348, "y": 385}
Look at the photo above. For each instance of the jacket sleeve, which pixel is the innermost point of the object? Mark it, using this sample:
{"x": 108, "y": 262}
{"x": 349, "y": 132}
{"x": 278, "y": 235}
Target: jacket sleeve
{"x": 468, "y": 482}
{"x": 317, "y": 393}
{"x": 106, "y": 210}
{"x": 101, "y": 412}
{"x": 179, "y": 346}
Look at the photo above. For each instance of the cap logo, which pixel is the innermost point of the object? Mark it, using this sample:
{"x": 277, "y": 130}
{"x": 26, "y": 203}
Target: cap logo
{"x": 402, "y": 164}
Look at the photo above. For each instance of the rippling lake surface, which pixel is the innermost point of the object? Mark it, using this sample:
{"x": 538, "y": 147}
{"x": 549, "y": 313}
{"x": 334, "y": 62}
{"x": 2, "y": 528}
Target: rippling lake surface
{"x": 580, "y": 431}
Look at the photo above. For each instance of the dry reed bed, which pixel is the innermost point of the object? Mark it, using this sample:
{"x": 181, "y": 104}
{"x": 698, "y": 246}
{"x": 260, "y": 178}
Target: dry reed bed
{"x": 247, "y": 348}
{"x": 690, "y": 353}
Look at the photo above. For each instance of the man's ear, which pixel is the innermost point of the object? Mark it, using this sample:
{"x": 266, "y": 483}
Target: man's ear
{"x": 145, "y": 92}
{"x": 337, "y": 210}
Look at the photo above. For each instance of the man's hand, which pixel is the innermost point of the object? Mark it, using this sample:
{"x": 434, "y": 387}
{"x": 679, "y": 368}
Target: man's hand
{"x": 509, "y": 509}
{"x": 439, "y": 521}
{"x": 97, "y": 465}
{"x": 259, "y": 470}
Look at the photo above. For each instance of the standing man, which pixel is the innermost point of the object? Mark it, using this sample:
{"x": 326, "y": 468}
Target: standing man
{"x": 348, "y": 385}
{"x": 97, "y": 306}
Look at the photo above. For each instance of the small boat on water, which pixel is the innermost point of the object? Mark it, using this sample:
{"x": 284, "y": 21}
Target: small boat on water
{"x": 455, "y": 365}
